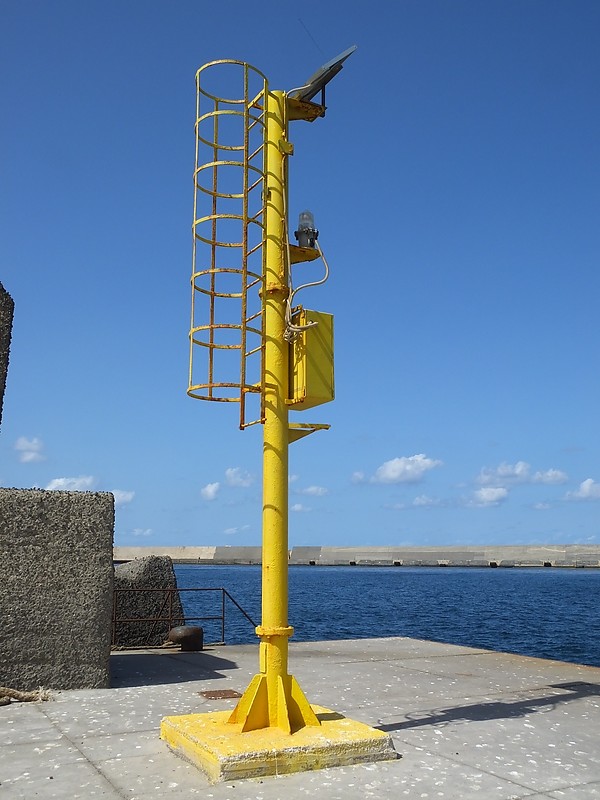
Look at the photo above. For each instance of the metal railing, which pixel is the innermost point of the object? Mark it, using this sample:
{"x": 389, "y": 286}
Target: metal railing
{"x": 169, "y": 615}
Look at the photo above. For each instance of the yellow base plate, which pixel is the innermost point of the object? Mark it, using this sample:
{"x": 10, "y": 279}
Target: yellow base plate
{"x": 220, "y": 750}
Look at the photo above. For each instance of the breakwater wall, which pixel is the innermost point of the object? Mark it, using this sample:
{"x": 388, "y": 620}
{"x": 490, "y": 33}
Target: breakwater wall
{"x": 570, "y": 555}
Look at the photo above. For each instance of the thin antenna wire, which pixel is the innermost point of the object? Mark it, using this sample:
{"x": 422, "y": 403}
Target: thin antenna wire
{"x": 314, "y": 41}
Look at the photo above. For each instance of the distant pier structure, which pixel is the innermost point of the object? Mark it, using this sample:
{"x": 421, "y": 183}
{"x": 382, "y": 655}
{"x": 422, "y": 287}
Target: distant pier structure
{"x": 570, "y": 555}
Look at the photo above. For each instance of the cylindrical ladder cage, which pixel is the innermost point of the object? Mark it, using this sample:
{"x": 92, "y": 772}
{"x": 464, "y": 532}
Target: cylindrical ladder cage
{"x": 226, "y": 332}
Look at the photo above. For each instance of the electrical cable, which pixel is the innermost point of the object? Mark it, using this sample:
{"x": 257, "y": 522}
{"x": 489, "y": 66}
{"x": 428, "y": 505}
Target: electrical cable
{"x": 315, "y": 283}
{"x": 292, "y": 331}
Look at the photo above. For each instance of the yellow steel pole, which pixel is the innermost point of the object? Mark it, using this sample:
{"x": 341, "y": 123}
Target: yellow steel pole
{"x": 273, "y": 698}
{"x": 274, "y": 631}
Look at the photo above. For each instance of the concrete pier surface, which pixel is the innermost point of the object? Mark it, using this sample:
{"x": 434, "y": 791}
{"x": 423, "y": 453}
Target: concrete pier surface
{"x": 467, "y": 723}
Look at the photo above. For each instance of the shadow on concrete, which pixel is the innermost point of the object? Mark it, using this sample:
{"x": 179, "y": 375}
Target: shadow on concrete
{"x": 329, "y": 716}
{"x": 480, "y": 712}
{"x": 150, "y": 668}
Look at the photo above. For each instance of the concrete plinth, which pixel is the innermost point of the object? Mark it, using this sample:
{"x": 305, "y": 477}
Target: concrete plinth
{"x": 223, "y": 752}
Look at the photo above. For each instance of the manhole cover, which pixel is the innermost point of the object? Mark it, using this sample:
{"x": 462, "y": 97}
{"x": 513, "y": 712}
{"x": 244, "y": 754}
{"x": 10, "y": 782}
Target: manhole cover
{"x": 220, "y": 694}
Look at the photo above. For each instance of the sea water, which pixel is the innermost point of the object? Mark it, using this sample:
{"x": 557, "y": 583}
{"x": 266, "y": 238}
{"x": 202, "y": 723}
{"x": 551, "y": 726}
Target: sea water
{"x": 549, "y": 613}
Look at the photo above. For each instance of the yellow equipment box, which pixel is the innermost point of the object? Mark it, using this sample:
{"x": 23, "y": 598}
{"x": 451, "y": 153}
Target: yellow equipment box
{"x": 311, "y": 360}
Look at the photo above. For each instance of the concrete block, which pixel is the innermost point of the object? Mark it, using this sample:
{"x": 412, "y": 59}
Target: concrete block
{"x": 56, "y": 579}
{"x": 237, "y": 555}
{"x": 305, "y": 555}
{"x": 153, "y": 574}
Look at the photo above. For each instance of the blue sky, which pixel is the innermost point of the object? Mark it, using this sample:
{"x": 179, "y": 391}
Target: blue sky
{"x": 455, "y": 181}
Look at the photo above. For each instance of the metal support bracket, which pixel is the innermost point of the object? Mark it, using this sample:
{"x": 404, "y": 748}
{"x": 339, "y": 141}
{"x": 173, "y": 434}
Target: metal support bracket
{"x": 303, "y": 109}
{"x": 285, "y": 147}
{"x": 298, "y": 430}
{"x": 300, "y": 254}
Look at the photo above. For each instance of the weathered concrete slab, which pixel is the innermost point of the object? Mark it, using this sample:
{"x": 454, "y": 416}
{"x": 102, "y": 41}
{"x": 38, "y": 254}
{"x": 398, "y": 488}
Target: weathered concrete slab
{"x": 56, "y": 579}
{"x": 468, "y": 724}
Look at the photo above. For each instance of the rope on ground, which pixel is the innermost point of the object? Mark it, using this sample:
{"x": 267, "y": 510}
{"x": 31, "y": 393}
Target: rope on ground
{"x": 7, "y": 694}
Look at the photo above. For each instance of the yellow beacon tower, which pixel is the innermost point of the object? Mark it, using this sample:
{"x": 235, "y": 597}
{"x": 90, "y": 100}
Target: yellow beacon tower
{"x": 252, "y": 344}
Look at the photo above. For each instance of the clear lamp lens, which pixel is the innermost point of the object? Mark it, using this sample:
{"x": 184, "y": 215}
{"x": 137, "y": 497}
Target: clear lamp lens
{"x": 306, "y": 221}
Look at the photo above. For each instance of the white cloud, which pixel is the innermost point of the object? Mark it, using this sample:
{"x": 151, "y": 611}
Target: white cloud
{"x": 314, "y": 491}
{"x": 588, "y": 490}
{"x": 489, "y": 496}
{"x": 84, "y": 482}
{"x": 122, "y": 497}
{"x": 292, "y": 478}
{"x": 358, "y": 477}
{"x": 424, "y": 500}
{"x": 550, "y": 476}
{"x": 29, "y": 450}
{"x": 142, "y": 532}
{"x": 30, "y": 456}
{"x": 236, "y": 476}
{"x": 518, "y": 473}
{"x": 209, "y": 492}
{"x": 299, "y": 507}
{"x": 407, "y": 469}
{"x": 541, "y": 506}
{"x": 232, "y": 531}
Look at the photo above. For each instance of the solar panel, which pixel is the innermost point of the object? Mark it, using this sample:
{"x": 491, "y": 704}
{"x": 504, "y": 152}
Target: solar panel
{"x": 322, "y": 76}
